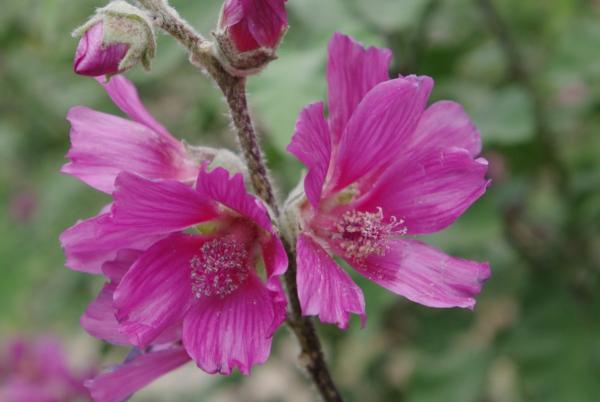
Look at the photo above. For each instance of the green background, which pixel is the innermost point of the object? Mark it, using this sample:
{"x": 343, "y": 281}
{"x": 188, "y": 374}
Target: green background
{"x": 528, "y": 72}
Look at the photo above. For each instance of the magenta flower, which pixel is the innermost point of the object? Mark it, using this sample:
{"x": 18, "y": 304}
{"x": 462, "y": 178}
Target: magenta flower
{"x": 204, "y": 287}
{"x": 252, "y": 24}
{"x": 94, "y": 58}
{"x": 381, "y": 167}
{"x": 37, "y": 371}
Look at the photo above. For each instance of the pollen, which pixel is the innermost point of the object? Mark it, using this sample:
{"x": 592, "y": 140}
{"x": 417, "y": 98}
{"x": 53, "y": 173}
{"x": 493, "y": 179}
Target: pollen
{"x": 219, "y": 268}
{"x": 361, "y": 234}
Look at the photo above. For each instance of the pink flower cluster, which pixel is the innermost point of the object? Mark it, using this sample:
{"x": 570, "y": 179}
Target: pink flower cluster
{"x": 192, "y": 260}
{"x": 36, "y": 371}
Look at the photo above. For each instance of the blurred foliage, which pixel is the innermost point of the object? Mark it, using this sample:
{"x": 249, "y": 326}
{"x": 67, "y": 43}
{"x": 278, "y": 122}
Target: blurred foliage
{"x": 535, "y": 334}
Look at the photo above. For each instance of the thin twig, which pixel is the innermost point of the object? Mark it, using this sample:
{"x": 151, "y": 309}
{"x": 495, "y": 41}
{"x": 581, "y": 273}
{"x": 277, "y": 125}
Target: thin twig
{"x": 234, "y": 90}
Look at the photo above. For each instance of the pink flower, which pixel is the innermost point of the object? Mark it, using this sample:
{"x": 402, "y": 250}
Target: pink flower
{"x": 36, "y": 371}
{"x": 383, "y": 166}
{"x": 252, "y": 24}
{"x": 203, "y": 287}
{"x": 93, "y": 58}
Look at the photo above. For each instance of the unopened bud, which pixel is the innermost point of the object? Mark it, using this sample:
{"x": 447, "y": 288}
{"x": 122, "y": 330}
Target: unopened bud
{"x": 115, "y": 39}
{"x": 248, "y": 34}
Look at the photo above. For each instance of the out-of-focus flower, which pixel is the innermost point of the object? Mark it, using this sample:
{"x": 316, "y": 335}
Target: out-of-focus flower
{"x": 117, "y": 38}
{"x": 249, "y": 32}
{"x": 23, "y": 205}
{"x": 381, "y": 167}
{"x": 36, "y": 371}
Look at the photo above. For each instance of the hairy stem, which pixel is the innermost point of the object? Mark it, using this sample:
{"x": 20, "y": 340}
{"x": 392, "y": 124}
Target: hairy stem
{"x": 234, "y": 89}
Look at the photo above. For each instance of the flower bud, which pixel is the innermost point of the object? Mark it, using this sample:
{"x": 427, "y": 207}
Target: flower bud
{"x": 114, "y": 40}
{"x": 248, "y": 34}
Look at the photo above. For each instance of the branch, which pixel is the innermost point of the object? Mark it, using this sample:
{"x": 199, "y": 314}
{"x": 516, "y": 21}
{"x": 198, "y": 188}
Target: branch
{"x": 234, "y": 89}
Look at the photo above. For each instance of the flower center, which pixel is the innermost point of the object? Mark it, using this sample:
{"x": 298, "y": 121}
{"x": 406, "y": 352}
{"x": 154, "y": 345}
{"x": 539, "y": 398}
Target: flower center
{"x": 361, "y": 234}
{"x": 219, "y": 268}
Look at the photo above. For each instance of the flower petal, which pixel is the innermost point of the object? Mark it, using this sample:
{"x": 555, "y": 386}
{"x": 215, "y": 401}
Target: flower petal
{"x": 425, "y": 275}
{"x": 431, "y": 192}
{"x": 446, "y": 125}
{"x": 159, "y": 206}
{"x": 231, "y": 192}
{"x": 99, "y": 318}
{"x": 124, "y": 94}
{"x": 156, "y": 292}
{"x": 93, "y": 57}
{"x": 234, "y": 331}
{"x": 103, "y": 145}
{"x": 352, "y": 71}
{"x": 382, "y": 123}
{"x": 116, "y": 269}
{"x": 122, "y": 381}
{"x": 324, "y": 288}
{"x": 90, "y": 243}
{"x": 266, "y": 21}
{"x": 311, "y": 144}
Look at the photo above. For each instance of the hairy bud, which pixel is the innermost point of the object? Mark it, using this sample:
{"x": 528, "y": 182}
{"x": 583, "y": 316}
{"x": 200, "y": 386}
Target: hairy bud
{"x": 114, "y": 40}
{"x": 248, "y": 34}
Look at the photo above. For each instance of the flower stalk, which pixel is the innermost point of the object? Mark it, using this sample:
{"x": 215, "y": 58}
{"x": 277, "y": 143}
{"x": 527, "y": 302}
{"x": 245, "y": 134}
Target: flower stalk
{"x": 234, "y": 89}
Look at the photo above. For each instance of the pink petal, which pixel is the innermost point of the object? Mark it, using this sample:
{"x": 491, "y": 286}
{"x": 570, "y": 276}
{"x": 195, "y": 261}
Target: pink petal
{"x": 276, "y": 264}
{"x": 159, "y": 206}
{"x": 324, "y": 288}
{"x": 92, "y": 58}
{"x": 103, "y": 145}
{"x": 425, "y": 275}
{"x": 122, "y": 381}
{"x": 254, "y": 23}
{"x": 352, "y": 71}
{"x": 90, "y": 243}
{"x": 99, "y": 318}
{"x": 311, "y": 144}
{"x": 232, "y": 193}
{"x": 234, "y": 331}
{"x": 156, "y": 292}
{"x": 116, "y": 269}
{"x": 124, "y": 94}
{"x": 446, "y": 125}
{"x": 379, "y": 128}
{"x": 431, "y": 192}
{"x": 267, "y": 20}
{"x": 274, "y": 255}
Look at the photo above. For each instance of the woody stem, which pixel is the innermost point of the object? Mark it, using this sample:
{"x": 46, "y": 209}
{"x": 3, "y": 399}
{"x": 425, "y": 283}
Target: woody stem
{"x": 234, "y": 89}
